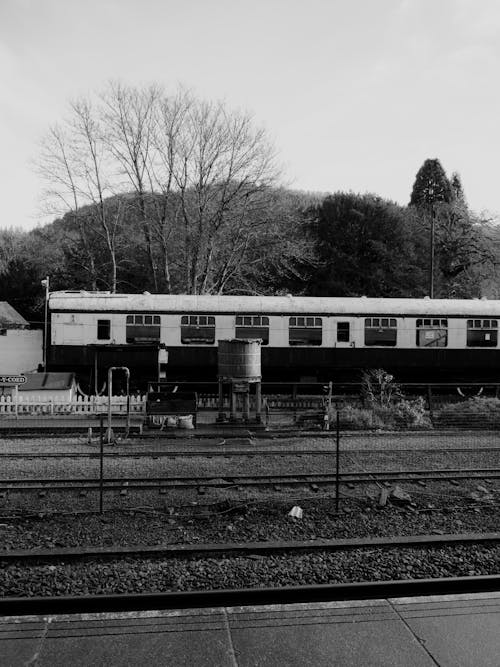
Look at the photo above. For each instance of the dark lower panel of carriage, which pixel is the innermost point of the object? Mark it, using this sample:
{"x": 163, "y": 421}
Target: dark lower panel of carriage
{"x": 287, "y": 364}
{"x": 84, "y": 360}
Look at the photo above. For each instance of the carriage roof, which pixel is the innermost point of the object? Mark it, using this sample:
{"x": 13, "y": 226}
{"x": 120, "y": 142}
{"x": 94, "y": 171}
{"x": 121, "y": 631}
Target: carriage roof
{"x": 187, "y": 303}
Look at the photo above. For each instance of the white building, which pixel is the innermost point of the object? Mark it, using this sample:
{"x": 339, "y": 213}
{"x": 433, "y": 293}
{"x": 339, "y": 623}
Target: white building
{"x": 21, "y": 349}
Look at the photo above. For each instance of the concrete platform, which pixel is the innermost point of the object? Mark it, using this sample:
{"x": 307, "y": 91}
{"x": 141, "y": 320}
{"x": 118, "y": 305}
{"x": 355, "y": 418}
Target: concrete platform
{"x": 451, "y": 631}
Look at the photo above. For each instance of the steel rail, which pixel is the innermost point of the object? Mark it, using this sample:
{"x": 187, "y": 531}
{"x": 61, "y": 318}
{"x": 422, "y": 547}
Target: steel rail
{"x": 226, "y": 481}
{"x": 30, "y": 606}
{"x": 222, "y": 452}
{"x": 245, "y": 549}
{"x": 43, "y": 431}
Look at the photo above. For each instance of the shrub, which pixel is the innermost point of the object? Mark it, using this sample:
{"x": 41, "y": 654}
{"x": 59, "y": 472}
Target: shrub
{"x": 411, "y": 413}
{"x": 363, "y": 418}
{"x": 379, "y": 388}
{"x": 475, "y": 412}
{"x": 403, "y": 414}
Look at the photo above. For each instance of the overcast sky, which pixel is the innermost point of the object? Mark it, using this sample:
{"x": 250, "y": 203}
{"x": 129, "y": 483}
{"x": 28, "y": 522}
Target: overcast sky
{"x": 355, "y": 93}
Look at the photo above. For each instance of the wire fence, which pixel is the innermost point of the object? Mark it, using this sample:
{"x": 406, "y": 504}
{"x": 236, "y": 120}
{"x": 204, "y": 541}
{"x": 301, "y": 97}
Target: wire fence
{"x": 452, "y": 435}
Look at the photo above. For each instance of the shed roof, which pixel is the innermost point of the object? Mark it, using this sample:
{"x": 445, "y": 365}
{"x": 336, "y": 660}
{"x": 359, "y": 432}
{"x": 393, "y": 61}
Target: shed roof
{"x": 10, "y": 318}
{"x": 42, "y": 381}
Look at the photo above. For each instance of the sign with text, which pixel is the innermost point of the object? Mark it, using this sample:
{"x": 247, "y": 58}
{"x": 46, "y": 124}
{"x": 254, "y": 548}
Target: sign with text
{"x": 12, "y": 379}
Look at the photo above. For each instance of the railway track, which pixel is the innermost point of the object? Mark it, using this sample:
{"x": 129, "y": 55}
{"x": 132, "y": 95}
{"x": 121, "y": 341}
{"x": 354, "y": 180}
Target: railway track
{"x": 44, "y": 570}
{"x": 314, "y": 480}
{"x": 230, "y": 452}
{"x": 241, "y": 549}
{"x": 79, "y": 604}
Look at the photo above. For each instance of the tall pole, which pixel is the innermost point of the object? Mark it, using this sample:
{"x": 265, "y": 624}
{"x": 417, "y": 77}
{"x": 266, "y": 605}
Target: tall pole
{"x": 45, "y": 283}
{"x": 101, "y": 462}
{"x": 337, "y": 458}
{"x": 431, "y": 277}
{"x": 110, "y": 397}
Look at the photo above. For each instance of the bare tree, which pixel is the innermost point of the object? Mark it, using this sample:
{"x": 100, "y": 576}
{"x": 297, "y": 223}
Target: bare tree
{"x": 58, "y": 166}
{"x": 192, "y": 173}
{"x": 75, "y": 161}
{"x": 130, "y": 117}
{"x": 95, "y": 174}
{"x": 166, "y": 216}
{"x": 222, "y": 166}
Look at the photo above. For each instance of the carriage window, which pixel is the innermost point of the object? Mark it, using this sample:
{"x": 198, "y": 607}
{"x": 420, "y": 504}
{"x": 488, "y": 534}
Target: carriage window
{"x": 343, "y": 332}
{"x": 305, "y": 331}
{"x": 432, "y": 332}
{"x": 197, "y": 329}
{"x": 252, "y": 326}
{"x": 103, "y": 329}
{"x": 482, "y": 333}
{"x": 381, "y": 331}
{"x": 142, "y": 329}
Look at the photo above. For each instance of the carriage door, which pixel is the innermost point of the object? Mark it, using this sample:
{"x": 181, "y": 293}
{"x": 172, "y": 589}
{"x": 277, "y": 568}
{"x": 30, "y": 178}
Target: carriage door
{"x": 72, "y": 331}
{"x": 343, "y": 333}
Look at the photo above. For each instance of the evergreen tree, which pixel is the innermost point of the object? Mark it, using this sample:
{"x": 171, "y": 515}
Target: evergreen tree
{"x": 365, "y": 246}
{"x": 457, "y": 189}
{"x": 431, "y": 185}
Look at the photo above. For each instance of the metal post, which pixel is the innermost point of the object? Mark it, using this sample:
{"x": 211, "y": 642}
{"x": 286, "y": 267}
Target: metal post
{"x": 127, "y": 431}
{"x": 258, "y": 402}
{"x": 337, "y": 465}
{"x": 96, "y": 382}
{"x": 232, "y": 416}
{"x": 222, "y": 416}
{"x": 431, "y": 277}
{"x": 45, "y": 283}
{"x": 246, "y": 406}
{"x": 101, "y": 468}
{"x": 110, "y": 394}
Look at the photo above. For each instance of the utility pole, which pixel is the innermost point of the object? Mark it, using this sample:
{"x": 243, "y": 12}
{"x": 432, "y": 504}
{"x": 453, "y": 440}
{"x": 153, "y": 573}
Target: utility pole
{"x": 430, "y": 201}
{"x": 45, "y": 283}
{"x": 431, "y": 277}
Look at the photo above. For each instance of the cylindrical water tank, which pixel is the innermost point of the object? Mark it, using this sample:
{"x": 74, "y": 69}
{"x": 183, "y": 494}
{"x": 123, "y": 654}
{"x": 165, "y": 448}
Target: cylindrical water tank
{"x": 239, "y": 359}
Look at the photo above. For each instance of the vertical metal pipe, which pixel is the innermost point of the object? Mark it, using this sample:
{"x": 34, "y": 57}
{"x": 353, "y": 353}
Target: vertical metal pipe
{"x": 337, "y": 462}
{"x": 258, "y": 402}
{"x": 101, "y": 460}
{"x": 128, "y": 402}
{"x": 232, "y": 415}
{"x": 221, "y": 401}
{"x": 96, "y": 382}
{"x": 246, "y": 405}
{"x": 110, "y": 394}
{"x": 45, "y": 324}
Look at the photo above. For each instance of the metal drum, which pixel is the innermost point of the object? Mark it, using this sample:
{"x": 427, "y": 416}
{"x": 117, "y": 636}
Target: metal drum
{"x": 239, "y": 359}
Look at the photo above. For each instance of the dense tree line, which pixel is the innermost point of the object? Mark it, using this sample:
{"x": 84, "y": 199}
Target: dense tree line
{"x": 170, "y": 194}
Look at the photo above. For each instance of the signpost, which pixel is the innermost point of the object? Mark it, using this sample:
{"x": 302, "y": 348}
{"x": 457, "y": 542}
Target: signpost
{"x": 12, "y": 379}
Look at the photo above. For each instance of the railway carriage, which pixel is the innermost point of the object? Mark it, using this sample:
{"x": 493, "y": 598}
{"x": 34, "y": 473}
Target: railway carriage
{"x": 303, "y": 338}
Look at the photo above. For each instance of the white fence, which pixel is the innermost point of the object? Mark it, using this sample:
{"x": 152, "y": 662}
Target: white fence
{"x": 38, "y": 405}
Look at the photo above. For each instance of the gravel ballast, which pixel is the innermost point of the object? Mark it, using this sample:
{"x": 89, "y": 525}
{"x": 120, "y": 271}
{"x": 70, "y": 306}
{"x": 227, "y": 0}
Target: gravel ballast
{"x": 437, "y": 509}
{"x": 223, "y": 516}
{"x": 160, "y": 575}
